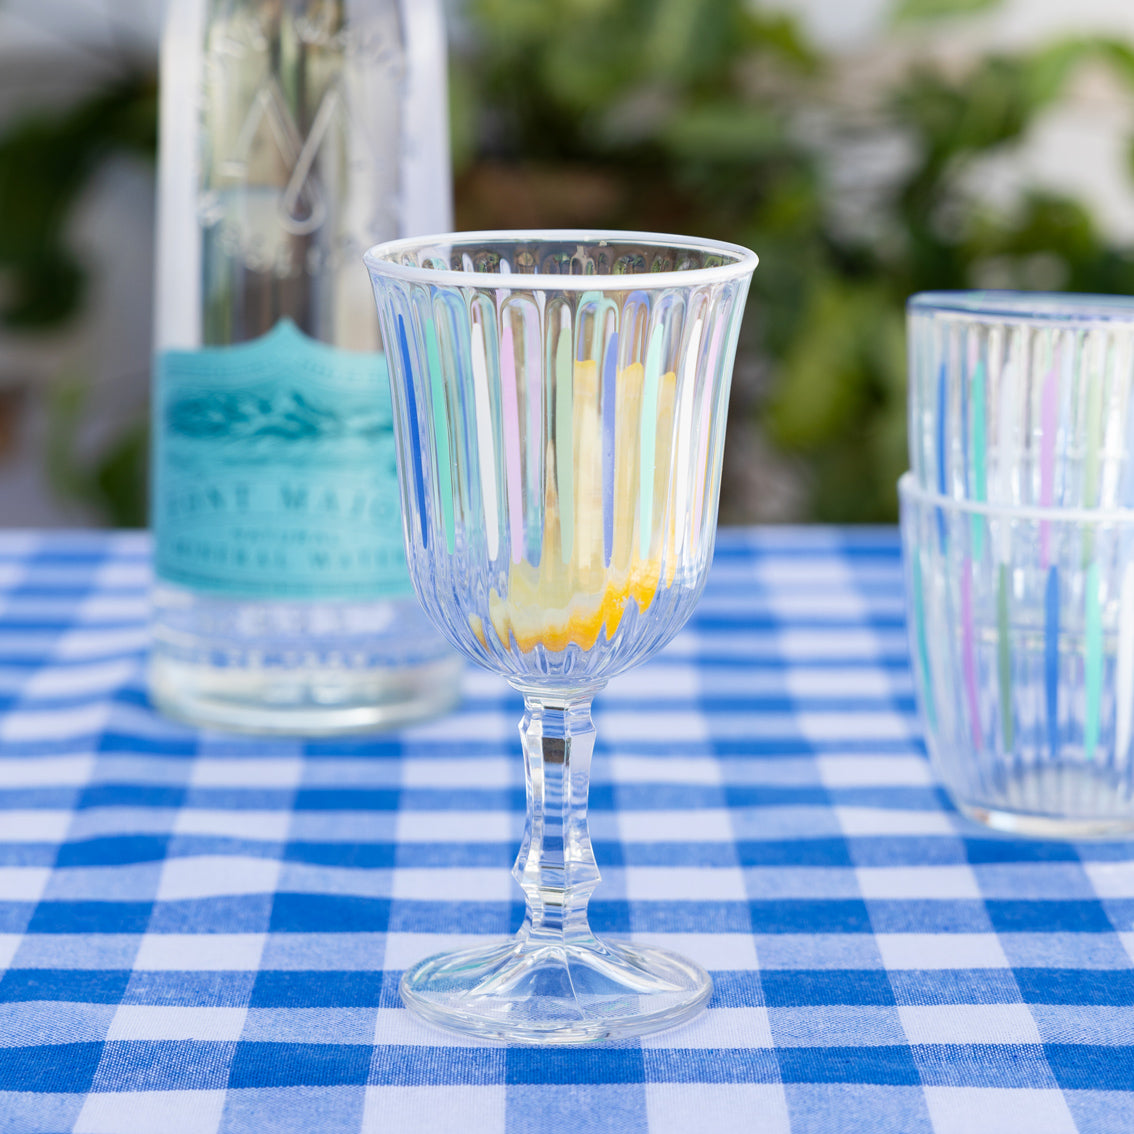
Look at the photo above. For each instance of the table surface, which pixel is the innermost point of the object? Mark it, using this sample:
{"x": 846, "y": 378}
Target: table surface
{"x": 201, "y": 933}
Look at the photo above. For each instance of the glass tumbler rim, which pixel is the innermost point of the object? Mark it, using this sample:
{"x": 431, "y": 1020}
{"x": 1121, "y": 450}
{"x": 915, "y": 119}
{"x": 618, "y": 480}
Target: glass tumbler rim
{"x": 742, "y": 261}
{"x": 1079, "y": 309}
{"x": 910, "y": 489}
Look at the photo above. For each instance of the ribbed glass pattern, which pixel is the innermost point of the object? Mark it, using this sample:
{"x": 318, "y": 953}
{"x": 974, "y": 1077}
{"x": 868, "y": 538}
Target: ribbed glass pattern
{"x": 560, "y": 408}
{"x": 559, "y": 404}
{"x": 1022, "y": 397}
{"x": 1021, "y": 626}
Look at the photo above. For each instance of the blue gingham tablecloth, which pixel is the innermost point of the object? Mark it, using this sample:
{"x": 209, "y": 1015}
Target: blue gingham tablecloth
{"x": 202, "y": 934}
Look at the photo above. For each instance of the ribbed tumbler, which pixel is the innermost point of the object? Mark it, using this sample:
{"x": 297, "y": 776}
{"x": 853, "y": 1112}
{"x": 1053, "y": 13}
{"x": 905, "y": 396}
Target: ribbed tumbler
{"x": 1023, "y": 397}
{"x": 560, "y": 403}
{"x": 1021, "y": 625}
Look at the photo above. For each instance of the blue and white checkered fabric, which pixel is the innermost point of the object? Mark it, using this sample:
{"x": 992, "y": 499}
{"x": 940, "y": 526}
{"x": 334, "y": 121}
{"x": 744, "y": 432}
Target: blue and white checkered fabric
{"x": 204, "y": 935}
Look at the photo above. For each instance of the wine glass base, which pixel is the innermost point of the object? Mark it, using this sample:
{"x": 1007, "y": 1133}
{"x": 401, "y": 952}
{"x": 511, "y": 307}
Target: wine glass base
{"x": 557, "y": 993}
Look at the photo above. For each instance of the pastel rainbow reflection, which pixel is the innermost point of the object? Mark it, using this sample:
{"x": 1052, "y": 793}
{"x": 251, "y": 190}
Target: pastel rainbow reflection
{"x": 560, "y": 403}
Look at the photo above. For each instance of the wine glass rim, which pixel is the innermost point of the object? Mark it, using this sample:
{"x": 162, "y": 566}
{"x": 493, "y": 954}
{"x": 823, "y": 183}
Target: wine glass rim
{"x": 742, "y": 261}
{"x": 1041, "y": 307}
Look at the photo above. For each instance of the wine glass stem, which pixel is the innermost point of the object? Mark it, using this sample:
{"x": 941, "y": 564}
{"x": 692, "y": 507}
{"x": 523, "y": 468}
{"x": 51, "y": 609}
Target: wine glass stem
{"x": 556, "y": 865}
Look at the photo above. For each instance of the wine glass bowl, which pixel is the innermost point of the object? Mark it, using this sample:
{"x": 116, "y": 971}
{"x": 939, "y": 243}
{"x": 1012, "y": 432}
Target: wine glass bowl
{"x": 559, "y": 402}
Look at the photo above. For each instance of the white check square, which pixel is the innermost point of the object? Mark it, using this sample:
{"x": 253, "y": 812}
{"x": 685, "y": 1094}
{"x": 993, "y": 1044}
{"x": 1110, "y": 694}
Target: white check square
{"x": 969, "y": 1023}
{"x": 457, "y": 826}
{"x": 716, "y": 952}
{"x": 718, "y": 1029}
{"x": 843, "y": 682}
{"x": 94, "y": 678}
{"x": 695, "y": 825}
{"x": 405, "y": 949}
{"x": 725, "y": 1108}
{"x": 766, "y": 882}
{"x": 84, "y": 951}
{"x": 434, "y": 1110}
{"x": 699, "y": 770}
{"x": 916, "y": 882}
{"x": 266, "y": 826}
{"x": 664, "y": 725}
{"x": 941, "y": 951}
{"x": 146, "y": 1112}
{"x": 857, "y": 770}
{"x": 399, "y": 1027}
{"x": 135, "y": 882}
{"x": 685, "y": 883}
{"x": 303, "y": 878}
{"x": 122, "y": 574}
{"x": 1111, "y": 879}
{"x": 484, "y": 725}
{"x": 892, "y": 821}
{"x": 200, "y": 952}
{"x": 34, "y": 826}
{"x": 113, "y": 608}
{"x": 214, "y": 876}
{"x": 483, "y": 772}
{"x": 46, "y": 771}
{"x": 997, "y": 1110}
{"x": 50, "y": 724}
{"x": 9, "y": 943}
{"x": 174, "y": 1022}
{"x": 311, "y": 952}
{"x": 453, "y": 884}
{"x": 23, "y": 883}
{"x": 656, "y": 682}
{"x": 840, "y": 727}
{"x": 250, "y": 772}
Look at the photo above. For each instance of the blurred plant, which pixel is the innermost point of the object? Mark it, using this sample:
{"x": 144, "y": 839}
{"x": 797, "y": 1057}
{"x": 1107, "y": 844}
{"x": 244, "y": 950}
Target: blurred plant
{"x": 47, "y": 161}
{"x": 936, "y": 230}
{"x": 701, "y": 115}
{"x": 113, "y": 481}
{"x": 708, "y": 116}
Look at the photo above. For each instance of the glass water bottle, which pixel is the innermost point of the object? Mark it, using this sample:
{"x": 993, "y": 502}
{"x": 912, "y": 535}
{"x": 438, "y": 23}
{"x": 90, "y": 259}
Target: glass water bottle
{"x": 294, "y": 134}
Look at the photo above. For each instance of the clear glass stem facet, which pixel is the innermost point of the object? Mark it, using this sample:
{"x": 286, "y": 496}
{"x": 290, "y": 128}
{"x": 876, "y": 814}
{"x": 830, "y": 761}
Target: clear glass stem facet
{"x": 555, "y": 981}
{"x": 556, "y": 866}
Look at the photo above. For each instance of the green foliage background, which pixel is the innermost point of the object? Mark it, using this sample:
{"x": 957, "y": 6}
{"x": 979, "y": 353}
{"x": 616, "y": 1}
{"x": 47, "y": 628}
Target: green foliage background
{"x": 685, "y": 116}
{"x": 689, "y": 112}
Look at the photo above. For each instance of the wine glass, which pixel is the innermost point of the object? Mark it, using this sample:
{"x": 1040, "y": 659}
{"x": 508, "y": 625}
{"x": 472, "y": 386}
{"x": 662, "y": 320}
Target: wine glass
{"x": 559, "y": 402}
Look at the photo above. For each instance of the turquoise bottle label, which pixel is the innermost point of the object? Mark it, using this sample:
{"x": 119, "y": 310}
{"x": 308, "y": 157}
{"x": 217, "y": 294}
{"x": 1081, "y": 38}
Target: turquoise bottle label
{"x": 274, "y": 472}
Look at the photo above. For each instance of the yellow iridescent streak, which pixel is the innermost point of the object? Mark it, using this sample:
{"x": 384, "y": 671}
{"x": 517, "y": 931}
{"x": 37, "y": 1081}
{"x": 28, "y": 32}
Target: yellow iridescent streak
{"x": 559, "y": 603}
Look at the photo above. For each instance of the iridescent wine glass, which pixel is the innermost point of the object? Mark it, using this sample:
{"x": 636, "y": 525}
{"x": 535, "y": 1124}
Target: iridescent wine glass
{"x": 559, "y": 402}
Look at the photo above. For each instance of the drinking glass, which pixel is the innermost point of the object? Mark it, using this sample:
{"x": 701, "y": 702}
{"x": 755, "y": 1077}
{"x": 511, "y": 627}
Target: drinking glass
{"x": 559, "y": 401}
{"x": 1022, "y": 398}
{"x": 1022, "y": 642}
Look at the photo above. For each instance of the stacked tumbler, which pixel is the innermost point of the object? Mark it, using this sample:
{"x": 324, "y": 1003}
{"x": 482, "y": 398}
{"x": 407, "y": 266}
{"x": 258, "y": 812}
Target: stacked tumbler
{"x": 1018, "y": 540}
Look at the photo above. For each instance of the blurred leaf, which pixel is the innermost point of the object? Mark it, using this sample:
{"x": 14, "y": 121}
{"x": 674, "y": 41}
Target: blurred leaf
{"x": 1119, "y": 54}
{"x": 43, "y": 290}
{"x": 779, "y": 35}
{"x": 821, "y": 385}
{"x": 463, "y": 120}
{"x": 722, "y": 131}
{"x": 907, "y": 11}
{"x": 64, "y": 412}
{"x": 46, "y": 161}
{"x": 1045, "y": 72}
{"x": 120, "y": 478}
{"x": 841, "y": 399}
{"x": 114, "y": 480}
{"x": 548, "y": 76}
